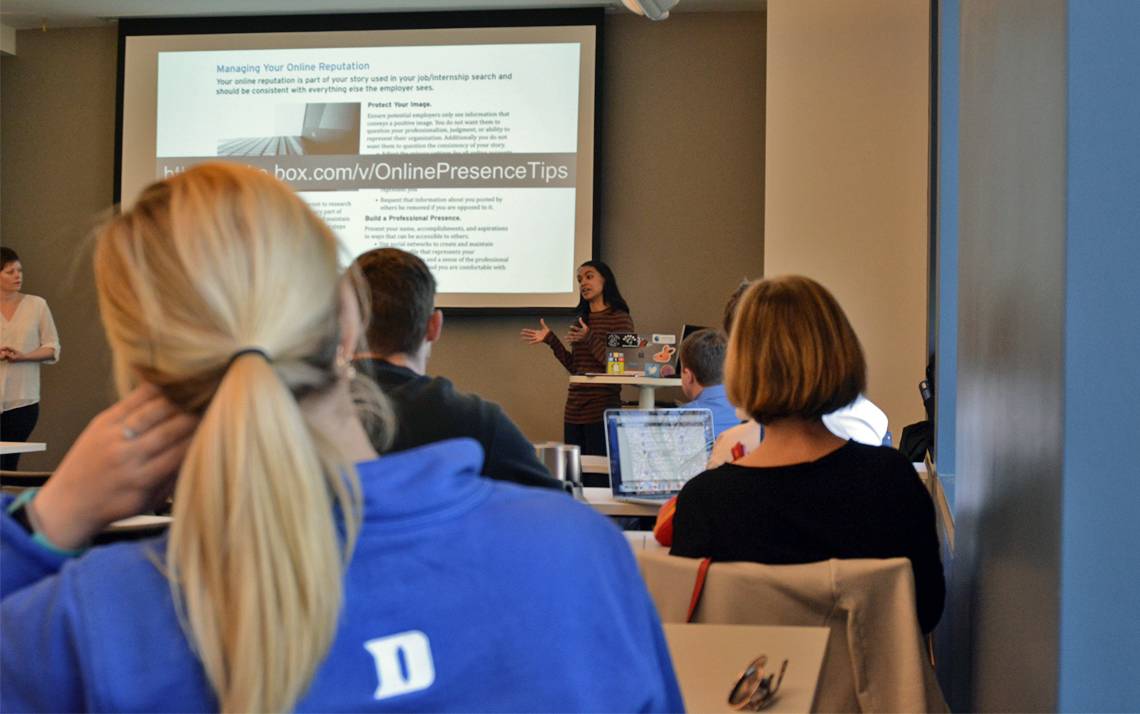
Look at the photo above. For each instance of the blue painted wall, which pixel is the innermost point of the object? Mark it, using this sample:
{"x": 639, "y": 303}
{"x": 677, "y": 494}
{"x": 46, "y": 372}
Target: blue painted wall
{"x": 946, "y": 363}
{"x": 1100, "y": 525}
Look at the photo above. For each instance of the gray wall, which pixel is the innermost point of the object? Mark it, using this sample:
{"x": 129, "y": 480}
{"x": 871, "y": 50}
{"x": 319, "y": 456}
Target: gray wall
{"x": 681, "y": 201}
{"x": 848, "y": 126}
{"x": 1004, "y": 593}
{"x": 57, "y": 148}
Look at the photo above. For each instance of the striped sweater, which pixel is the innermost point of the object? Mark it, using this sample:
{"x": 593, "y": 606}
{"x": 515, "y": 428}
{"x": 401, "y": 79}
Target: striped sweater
{"x": 585, "y": 403}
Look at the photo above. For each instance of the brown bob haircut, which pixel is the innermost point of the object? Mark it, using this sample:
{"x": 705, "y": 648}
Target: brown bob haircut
{"x": 403, "y": 298}
{"x": 792, "y": 352}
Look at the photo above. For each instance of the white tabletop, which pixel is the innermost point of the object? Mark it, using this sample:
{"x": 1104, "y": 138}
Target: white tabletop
{"x": 624, "y": 379}
{"x": 602, "y": 500}
{"x": 21, "y": 447}
{"x": 595, "y": 465}
{"x": 139, "y": 523}
{"x": 642, "y": 540}
{"x": 708, "y": 659}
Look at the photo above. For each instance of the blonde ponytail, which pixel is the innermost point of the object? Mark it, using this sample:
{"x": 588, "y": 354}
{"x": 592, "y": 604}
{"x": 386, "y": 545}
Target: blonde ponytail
{"x": 266, "y": 509}
{"x": 258, "y": 555}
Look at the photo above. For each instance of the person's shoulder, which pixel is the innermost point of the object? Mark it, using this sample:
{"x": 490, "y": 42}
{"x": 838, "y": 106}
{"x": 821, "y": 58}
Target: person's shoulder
{"x": 746, "y": 434}
{"x": 120, "y": 557}
{"x": 881, "y": 462}
{"x": 745, "y": 430}
{"x": 467, "y": 403}
{"x": 117, "y": 573}
{"x": 884, "y": 456}
{"x": 709, "y": 481}
{"x": 546, "y": 517}
{"x": 35, "y": 301}
{"x": 422, "y": 390}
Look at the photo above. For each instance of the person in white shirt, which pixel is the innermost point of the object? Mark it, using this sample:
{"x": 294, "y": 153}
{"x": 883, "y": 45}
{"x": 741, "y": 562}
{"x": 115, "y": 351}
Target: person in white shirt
{"x": 27, "y": 338}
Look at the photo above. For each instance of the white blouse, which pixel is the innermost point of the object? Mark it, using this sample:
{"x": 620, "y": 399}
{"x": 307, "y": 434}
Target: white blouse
{"x": 30, "y": 328}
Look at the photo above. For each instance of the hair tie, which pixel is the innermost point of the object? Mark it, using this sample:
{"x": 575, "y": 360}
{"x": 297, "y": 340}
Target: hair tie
{"x": 247, "y": 351}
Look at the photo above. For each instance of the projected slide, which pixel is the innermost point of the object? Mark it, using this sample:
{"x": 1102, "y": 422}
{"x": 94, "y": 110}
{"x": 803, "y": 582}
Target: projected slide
{"x": 472, "y": 147}
{"x": 465, "y": 157}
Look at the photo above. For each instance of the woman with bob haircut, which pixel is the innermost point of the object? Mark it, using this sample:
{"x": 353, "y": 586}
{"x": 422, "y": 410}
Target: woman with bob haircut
{"x": 805, "y": 495}
{"x": 301, "y": 571}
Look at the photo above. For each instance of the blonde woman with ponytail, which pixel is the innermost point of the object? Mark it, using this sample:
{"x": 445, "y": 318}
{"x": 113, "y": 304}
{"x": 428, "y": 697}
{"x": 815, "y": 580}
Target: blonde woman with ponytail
{"x": 301, "y": 571}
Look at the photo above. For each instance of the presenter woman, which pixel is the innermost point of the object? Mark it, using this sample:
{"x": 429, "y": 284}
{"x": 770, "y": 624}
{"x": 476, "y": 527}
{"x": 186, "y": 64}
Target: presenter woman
{"x": 300, "y": 572}
{"x": 601, "y": 310}
{"x": 27, "y": 339}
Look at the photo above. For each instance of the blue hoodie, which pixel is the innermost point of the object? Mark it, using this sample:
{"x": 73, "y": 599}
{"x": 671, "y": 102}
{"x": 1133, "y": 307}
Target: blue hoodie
{"x": 462, "y": 594}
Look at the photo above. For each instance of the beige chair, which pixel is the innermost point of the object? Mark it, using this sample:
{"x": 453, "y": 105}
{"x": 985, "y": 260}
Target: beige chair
{"x": 875, "y": 659}
{"x": 17, "y": 481}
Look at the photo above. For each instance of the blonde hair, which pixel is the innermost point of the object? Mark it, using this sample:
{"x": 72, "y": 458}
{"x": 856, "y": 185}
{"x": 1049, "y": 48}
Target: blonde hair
{"x": 207, "y": 263}
{"x": 792, "y": 352}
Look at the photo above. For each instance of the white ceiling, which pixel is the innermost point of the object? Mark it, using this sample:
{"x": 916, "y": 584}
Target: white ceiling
{"x": 32, "y": 14}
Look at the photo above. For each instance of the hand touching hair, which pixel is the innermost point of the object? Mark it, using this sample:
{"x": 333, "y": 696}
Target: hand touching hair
{"x": 207, "y": 264}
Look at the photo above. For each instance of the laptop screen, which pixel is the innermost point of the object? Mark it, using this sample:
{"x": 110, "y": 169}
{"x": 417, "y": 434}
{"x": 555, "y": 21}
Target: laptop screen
{"x": 654, "y": 452}
{"x": 687, "y": 330}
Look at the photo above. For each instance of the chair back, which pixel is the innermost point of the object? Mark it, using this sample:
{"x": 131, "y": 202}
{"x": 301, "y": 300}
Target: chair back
{"x": 875, "y": 659}
{"x": 16, "y": 481}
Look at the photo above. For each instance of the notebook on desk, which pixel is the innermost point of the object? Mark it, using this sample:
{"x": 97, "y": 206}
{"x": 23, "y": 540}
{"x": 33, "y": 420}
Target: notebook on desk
{"x": 653, "y": 453}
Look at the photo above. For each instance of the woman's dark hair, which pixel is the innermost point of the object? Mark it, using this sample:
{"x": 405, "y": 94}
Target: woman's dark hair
{"x": 7, "y": 255}
{"x": 611, "y": 296}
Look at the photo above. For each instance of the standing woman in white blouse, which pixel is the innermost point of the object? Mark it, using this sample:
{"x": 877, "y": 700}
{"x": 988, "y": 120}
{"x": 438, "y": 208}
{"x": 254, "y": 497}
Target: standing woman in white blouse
{"x": 27, "y": 338}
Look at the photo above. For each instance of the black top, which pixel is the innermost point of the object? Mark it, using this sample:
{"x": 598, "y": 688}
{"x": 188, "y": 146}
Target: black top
{"x": 429, "y": 409}
{"x": 856, "y": 502}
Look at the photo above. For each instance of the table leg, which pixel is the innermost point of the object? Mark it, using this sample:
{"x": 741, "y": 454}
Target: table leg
{"x": 645, "y": 397}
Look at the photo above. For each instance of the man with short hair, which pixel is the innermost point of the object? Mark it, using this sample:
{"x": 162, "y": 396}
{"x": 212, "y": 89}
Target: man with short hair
{"x": 702, "y": 377}
{"x": 401, "y": 330}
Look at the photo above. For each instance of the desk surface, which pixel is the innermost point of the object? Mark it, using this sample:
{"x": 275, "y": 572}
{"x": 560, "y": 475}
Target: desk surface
{"x": 595, "y": 465}
{"x": 139, "y": 523}
{"x": 708, "y": 659}
{"x": 642, "y": 540}
{"x": 602, "y": 500}
{"x": 21, "y": 447}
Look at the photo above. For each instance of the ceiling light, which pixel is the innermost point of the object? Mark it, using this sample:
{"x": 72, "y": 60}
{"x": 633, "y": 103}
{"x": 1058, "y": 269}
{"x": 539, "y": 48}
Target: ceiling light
{"x": 653, "y": 9}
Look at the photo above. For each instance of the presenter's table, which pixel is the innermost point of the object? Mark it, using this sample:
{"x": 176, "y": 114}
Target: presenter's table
{"x": 21, "y": 447}
{"x": 645, "y": 385}
{"x": 708, "y": 659}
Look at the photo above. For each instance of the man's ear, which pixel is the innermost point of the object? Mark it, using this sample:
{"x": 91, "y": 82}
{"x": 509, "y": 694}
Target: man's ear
{"x": 687, "y": 376}
{"x": 434, "y": 326}
{"x": 351, "y": 325}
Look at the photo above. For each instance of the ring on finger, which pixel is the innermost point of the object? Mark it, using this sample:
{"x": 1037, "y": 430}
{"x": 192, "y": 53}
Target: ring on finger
{"x": 129, "y": 434}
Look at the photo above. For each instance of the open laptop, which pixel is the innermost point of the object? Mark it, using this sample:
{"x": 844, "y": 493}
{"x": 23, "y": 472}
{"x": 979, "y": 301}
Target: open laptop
{"x": 687, "y": 329}
{"x": 646, "y": 355}
{"x": 652, "y": 453}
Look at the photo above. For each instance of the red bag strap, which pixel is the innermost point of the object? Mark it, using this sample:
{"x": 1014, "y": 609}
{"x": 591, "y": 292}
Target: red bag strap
{"x": 698, "y": 588}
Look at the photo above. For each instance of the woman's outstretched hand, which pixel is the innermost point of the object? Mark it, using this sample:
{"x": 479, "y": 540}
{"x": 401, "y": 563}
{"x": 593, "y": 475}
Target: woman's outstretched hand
{"x": 578, "y": 332}
{"x": 533, "y": 337}
{"x": 123, "y": 463}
